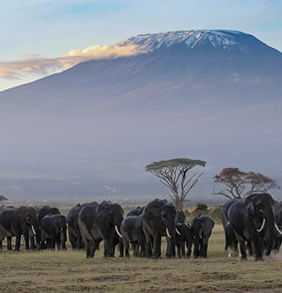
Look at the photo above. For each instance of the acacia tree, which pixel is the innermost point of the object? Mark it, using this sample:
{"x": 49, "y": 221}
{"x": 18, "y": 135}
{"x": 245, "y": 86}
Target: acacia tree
{"x": 240, "y": 184}
{"x": 2, "y": 197}
{"x": 174, "y": 175}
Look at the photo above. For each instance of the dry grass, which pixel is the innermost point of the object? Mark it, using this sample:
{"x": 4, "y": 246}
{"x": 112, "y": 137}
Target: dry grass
{"x": 55, "y": 271}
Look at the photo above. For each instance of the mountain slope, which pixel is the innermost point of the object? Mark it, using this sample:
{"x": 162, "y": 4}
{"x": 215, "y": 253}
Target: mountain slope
{"x": 212, "y": 95}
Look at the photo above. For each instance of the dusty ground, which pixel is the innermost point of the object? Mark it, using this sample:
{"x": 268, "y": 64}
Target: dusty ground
{"x": 68, "y": 271}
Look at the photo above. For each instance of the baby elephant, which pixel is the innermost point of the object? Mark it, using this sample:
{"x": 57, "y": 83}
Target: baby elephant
{"x": 132, "y": 233}
{"x": 54, "y": 231}
{"x": 202, "y": 229}
{"x": 183, "y": 236}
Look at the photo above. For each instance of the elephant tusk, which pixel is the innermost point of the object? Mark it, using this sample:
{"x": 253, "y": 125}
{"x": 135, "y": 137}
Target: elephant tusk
{"x": 167, "y": 233}
{"x": 33, "y": 231}
{"x": 177, "y": 231}
{"x": 262, "y": 226}
{"x": 278, "y": 230}
{"x": 188, "y": 226}
{"x": 118, "y": 233}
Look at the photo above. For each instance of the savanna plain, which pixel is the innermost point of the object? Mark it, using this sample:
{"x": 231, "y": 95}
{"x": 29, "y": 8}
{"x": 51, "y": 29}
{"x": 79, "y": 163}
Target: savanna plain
{"x": 70, "y": 271}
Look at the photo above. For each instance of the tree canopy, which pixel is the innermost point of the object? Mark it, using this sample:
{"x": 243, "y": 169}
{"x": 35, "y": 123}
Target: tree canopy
{"x": 174, "y": 175}
{"x": 240, "y": 184}
{"x": 2, "y": 197}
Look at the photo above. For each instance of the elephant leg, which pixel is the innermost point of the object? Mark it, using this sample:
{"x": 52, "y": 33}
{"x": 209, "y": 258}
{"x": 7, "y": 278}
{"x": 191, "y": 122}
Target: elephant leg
{"x": 243, "y": 254}
{"x": 73, "y": 241}
{"x": 189, "y": 248}
{"x": 142, "y": 248}
{"x": 204, "y": 250}
{"x": 91, "y": 247}
{"x": 88, "y": 248}
{"x": 250, "y": 248}
{"x": 32, "y": 243}
{"x": 136, "y": 248}
{"x": 18, "y": 242}
{"x": 0, "y": 245}
{"x": 108, "y": 251}
{"x": 79, "y": 242}
{"x": 26, "y": 239}
{"x": 9, "y": 243}
{"x": 178, "y": 246}
{"x": 148, "y": 243}
{"x": 182, "y": 248}
{"x": 126, "y": 248}
{"x": 157, "y": 244}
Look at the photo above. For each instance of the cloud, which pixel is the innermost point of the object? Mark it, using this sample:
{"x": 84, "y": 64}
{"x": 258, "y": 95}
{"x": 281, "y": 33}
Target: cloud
{"x": 39, "y": 65}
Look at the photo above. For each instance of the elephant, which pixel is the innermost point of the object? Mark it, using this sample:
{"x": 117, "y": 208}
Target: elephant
{"x": 183, "y": 236}
{"x": 201, "y": 228}
{"x": 278, "y": 225}
{"x": 47, "y": 210}
{"x": 231, "y": 242}
{"x": 181, "y": 217}
{"x": 17, "y": 222}
{"x": 136, "y": 212}
{"x": 159, "y": 220}
{"x": 132, "y": 233}
{"x": 99, "y": 222}
{"x": 54, "y": 231}
{"x": 252, "y": 220}
{"x": 73, "y": 229}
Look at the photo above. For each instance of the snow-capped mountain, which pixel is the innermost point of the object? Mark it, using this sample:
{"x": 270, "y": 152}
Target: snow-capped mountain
{"x": 210, "y": 95}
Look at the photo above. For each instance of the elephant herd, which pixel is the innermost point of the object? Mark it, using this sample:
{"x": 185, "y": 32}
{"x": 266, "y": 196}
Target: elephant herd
{"x": 91, "y": 223}
{"x": 254, "y": 223}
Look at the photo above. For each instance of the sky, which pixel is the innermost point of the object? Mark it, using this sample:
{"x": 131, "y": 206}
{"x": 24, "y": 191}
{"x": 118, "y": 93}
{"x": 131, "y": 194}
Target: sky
{"x": 40, "y": 37}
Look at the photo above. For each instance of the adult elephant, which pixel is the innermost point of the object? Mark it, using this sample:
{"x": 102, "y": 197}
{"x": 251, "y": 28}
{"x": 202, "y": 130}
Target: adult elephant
{"x": 73, "y": 228}
{"x": 159, "y": 220}
{"x": 99, "y": 222}
{"x": 17, "y": 222}
{"x": 231, "y": 242}
{"x": 278, "y": 225}
{"x": 201, "y": 228}
{"x": 252, "y": 220}
{"x": 132, "y": 233}
{"x": 54, "y": 231}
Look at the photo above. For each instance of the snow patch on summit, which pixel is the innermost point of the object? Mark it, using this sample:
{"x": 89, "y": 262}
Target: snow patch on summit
{"x": 215, "y": 38}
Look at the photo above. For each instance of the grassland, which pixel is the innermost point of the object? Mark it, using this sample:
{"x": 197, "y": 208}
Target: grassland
{"x": 70, "y": 271}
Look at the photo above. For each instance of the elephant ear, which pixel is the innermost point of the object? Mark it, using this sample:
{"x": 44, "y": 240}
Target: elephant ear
{"x": 208, "y": 226}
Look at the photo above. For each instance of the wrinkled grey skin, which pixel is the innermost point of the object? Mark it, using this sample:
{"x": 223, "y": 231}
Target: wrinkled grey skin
{"x": 201, "y": 227}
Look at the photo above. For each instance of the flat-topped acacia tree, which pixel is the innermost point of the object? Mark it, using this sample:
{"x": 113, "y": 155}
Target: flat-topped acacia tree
{"x": 174, "y": 174}
{"x": 239, "y": 184}
{"x": 2, "y": 197}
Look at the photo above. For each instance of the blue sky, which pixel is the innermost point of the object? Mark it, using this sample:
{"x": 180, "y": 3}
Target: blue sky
{"x": 48, "y": 28}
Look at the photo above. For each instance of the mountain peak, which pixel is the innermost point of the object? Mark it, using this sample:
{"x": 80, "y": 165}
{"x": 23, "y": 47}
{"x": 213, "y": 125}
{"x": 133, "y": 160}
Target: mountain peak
{"x": 218, "y": 39}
